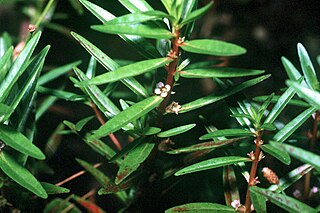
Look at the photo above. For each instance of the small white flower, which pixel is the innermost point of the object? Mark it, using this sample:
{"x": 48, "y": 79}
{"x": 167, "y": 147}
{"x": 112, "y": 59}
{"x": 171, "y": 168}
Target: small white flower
{"x": 236, "y": 204}
{"x": 162, "y": 89}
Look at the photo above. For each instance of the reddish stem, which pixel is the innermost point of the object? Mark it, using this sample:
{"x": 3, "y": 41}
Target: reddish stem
{"x": 172, "y": 67}
{"x": 253, "y": 172}
{"x": 111, "y": 135}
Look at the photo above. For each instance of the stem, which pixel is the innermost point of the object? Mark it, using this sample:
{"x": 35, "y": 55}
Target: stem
{"x": 172, "y": 67}
{"x": 44, "y": 12}
{"x": 253, "y": 171}
{"x": 313, "y": 140}
{"x": 111, "y": 135}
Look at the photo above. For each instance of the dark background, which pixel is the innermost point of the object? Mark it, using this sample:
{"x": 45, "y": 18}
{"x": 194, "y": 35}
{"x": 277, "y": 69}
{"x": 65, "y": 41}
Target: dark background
{"x": 268, "y": 29}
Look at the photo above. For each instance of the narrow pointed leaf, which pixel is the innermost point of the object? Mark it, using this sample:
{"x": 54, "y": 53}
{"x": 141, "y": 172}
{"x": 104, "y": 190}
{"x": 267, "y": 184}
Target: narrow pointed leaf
{"x": 176, "y": 131}
{"x": 291, "y": 178}
{"x": 53, "y": 141}
{"x": 101, "y": 148}
{"x": 44, "y": 106}
{"x": 231, "y": 190}
{"x": 211, "y": 164}
{"x": 193, "y": 16}
{"x": 227, "y": 133}
{"x": 144, "y": 47}
{"x": 142, "y": 30}
{"x": 111, "y": 65}
{"x": 19, "y": 142}
{"x": 5, "y": 63}
{"x": 132, "y": 145}
{"x": 301, "y": 154}
{"x": 133, "y": 160}
{"x": 288, "y": 203}
{"x": 220, "y": 95}
{"x": 293, "y": 125}
{"x": 276, "y": 98}
{"x": 292, "y": 71}
{"x": 80, "y": 124}
{"x": 61, "y": 94}
{"x": 107, "y": 107}
{"x": 130, "y": 114}
{"x": 280, "y": 105}
{"x": 19, "y": 65}
{"x": 258, "y": 201}
{"x": 151, "y": 130}
{"x": 53, "y": 189}
{"x": 307, "y": 68}
{"x": 21, "y": 175}
{"x": 201, "y": 207}
{"x": 205, "y": 145}
{"x": 281, "y": 155}
{"x": 310, "y": 95}
{"x": 139, "y": 17}
{"x": 212, "y": 47}
{"x": 55, "y": 73}
{"x": 219, "y": 72}
{"x": 136, "y": 5}
{"x": 131, "y": 70}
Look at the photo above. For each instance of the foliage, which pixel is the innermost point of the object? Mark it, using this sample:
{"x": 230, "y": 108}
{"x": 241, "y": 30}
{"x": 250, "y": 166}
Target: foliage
{"x": 144, "y": 134}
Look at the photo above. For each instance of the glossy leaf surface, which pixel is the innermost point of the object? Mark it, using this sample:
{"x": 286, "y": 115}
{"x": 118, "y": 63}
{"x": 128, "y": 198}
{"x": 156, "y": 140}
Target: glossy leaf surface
{"x": 258, "y": 201}
{"x": 201, "y": 207}
{"x": 53, "y": 189}
{"x": 211, "y": 164}
{"x": 220, "y": 95}
{"x": 219, "y": 72}
{"x": 176, "y": 131}
{"x": 193, "y": 16}
{"x": 21, "y": 175}
{"x": 19, "y": 142}
{"x": 281, "y": 155}
{"x": 288, "y": 203}
{"x": 212, "y": 47}
{"x": 133, "y": 160}
{"x": 130, "y": 114}
{"x": 227, "y": 133}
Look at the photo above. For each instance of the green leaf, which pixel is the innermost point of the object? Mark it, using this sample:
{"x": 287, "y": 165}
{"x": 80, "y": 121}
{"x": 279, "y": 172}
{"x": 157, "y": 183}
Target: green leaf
{"x": 53, "y": 189}
{"x": 231, "y": 190}
{"x": 27, "y": 84}
{"x": 307, "y": 68}
{"x": 131, "y": 70}
{"x": 132, "y": 145}
{"x": 174, "y": 7}
{"x": 291, "y": 178}
{"x": 130, "y": 114}
{"x": 133, "y": 160}
{"x": 144, "y": 47}
{"x": 61, "y": 94}
{"x": 292, "y": 71}
{"x": 280, "y": 105}
{"x": 101, "y": 148}
{"x": 111, "y": 65}
{"x": 201, "y": 207}
{"x": 288, "y": 203}
{"x": 176, "y": 131}
{"x": 139, "y": 17}
{"x": 219, "y": 72}
{"x": 258, "y": 201}
{"x": 44, "y": 106}
{"x": 212, "y": 47}
{"x": 227, "y": 133}
{"x": 310, "y": 95}
{"x": 205, "y": 146}
{"x": 107, "y": 107}
{"x": 91, "y": 69}
{"x": 301, "y": 154}
{"x": 55, "y": 73}
{"x": 142, "y": 30}
{"x": 276, "y": 98}
{"x": 281, "y": 155}
{"x": 18, "y": 67}
{"x": 19, "y": 142}
{"x": 220, "y": 95}
{"x": 80, "y": 124}
{"x": 268, "y": 127}
{"x": 211, "y": 164}
{"x": 136, "y": 5}
{"x": 53, "y": 141}
{"x": 21, "y": 175}
{"x": 293, "y": 125}
{"x": 196, "y": 14}
{"x": 151, "y": 130}
{"x": 263, "y": 108}
{"x": 77, "y": 6}
{"x": 5, "y": 63}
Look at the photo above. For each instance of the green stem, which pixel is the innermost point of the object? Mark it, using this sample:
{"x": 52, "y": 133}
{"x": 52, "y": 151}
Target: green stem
{"x": 44, "y": 12}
